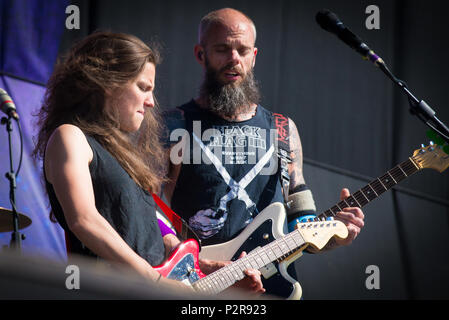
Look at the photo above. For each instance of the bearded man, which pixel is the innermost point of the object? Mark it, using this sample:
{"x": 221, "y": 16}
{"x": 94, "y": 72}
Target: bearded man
{"x": 224, "y": 145}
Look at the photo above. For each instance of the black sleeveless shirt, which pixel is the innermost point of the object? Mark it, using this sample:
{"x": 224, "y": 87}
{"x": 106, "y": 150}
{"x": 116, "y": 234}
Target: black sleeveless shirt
{"x": 128, "y": 208}
{"x": 228, "y": 174}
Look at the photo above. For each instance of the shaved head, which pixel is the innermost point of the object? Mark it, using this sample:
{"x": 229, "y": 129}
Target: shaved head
{"x": 227, "y": 17}
{"x": 226, "y": 50}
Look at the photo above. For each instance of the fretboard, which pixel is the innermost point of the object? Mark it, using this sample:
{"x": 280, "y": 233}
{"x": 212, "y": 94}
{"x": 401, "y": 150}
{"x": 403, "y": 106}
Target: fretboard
{"x": 256, "y": 259}
{"x": 287, "y": 245}
{"x": 373, "y": 189}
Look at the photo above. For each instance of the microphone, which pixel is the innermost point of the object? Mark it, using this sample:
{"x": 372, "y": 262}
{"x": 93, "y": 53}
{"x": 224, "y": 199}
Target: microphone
{"x": 7, "y": 105}
{"x": 330, "y": 22}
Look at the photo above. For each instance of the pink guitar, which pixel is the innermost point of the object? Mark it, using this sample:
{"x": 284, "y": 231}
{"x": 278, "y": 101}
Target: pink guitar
{"x": 182, "y": 265}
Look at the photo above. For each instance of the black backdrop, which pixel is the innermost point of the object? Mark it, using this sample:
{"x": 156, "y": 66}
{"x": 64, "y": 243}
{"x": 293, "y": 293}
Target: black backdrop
{"x": 354, "y": 123}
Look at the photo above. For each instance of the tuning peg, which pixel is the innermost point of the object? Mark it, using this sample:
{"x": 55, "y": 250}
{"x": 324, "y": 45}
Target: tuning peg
{"x": 431, "y": 143}
{"x": 423, "y": 149}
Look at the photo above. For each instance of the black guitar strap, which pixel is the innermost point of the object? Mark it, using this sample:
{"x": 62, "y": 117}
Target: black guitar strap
{"x": 283, "y": 152}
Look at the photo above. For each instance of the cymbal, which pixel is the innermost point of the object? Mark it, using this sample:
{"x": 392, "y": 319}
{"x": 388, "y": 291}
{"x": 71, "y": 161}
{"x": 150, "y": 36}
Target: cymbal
{"x": 6, "y": 221}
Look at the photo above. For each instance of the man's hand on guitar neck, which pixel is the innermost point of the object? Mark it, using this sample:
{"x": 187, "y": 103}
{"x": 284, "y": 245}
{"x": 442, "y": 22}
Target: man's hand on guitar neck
{"x": 352, "y": 217}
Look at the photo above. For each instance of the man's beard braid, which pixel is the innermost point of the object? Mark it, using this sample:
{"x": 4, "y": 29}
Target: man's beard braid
{"x": 229, "y": 99}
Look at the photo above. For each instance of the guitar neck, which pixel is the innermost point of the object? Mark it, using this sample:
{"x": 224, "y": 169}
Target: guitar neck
{"x": 256, "y": 259}
{"x": 292, "y": 242}
{"x": 374, "y": 189}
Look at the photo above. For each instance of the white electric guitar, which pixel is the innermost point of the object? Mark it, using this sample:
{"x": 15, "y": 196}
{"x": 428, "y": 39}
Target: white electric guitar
{"x": 268, "y": 225}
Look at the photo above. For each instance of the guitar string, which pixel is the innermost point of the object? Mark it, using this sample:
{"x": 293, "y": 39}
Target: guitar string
{"x": 362, "y": 197}
{"x": 229, "y": 274}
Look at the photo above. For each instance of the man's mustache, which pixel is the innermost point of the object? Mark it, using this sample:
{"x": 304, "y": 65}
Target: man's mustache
{"x": 233, "y": 68}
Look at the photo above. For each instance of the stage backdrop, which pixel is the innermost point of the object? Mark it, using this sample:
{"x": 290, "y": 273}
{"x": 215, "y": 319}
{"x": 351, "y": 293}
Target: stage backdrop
{"x": 354, "y": 123}
{"x": 30, "y": 32}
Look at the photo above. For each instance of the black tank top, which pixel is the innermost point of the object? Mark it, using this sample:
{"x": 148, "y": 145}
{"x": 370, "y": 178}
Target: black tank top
{"x": 128, "y": 208}
{"x": 229, "y": 172}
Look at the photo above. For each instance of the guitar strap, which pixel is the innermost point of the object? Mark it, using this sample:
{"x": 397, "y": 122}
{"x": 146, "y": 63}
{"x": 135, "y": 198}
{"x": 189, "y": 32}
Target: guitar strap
{"x": 181, "y": 227}
{"x": 283, "y": 152}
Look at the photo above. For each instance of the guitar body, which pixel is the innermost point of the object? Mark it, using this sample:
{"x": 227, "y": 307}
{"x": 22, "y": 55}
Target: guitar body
{"x": 266, "y": 227}
{"x": 182, "y": 265}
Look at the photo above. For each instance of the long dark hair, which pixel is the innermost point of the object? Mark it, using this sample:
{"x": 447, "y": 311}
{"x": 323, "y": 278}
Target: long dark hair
{"x": 76, "y": 92}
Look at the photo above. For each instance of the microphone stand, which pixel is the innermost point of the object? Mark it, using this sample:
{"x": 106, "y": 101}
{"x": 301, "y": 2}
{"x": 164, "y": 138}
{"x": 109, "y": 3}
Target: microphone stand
{"x": 420, "y": 108}
{"x": 16, "y": 237}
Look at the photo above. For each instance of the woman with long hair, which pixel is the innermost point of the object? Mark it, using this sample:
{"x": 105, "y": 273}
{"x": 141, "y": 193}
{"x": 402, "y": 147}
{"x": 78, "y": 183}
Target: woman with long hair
{"x": 102, "y": 158}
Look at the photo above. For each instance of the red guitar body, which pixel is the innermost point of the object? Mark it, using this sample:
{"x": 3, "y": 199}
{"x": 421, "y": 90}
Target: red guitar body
{"x": 182, "y": 264}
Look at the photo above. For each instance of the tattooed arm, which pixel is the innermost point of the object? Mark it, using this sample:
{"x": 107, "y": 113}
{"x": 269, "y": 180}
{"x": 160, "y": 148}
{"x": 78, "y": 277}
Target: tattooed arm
{"x": 296, "y": 172}
{"x": 295, "y": 167}
{"x": 352, "y": 217}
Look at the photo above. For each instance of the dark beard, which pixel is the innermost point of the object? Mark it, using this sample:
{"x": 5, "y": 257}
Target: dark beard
{"x": 229, "y": 99}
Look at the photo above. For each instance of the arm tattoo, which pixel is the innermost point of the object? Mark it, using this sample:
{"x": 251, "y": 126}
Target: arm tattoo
{"x": 295, "y": 167}
{"x": 297, "y": 178}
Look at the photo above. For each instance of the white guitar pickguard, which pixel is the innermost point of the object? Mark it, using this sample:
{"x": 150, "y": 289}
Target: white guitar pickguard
{"x": 225, "y": 251}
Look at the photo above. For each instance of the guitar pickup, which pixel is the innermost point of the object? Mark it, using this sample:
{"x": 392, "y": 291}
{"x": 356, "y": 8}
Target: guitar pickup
{"x": 268, "y": 271}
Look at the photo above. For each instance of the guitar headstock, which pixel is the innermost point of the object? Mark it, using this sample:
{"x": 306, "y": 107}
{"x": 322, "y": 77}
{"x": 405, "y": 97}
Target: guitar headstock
{"x": 437, "y": 139}
{"x": 433, "y": 156}
{"x": 318, "y": 233}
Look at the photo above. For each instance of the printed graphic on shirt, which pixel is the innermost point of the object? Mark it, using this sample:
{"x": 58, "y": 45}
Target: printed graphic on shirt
{"x": 232, "y": 138}
{"x": 231, "y": 144}
{"x": 207, "y": 223}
